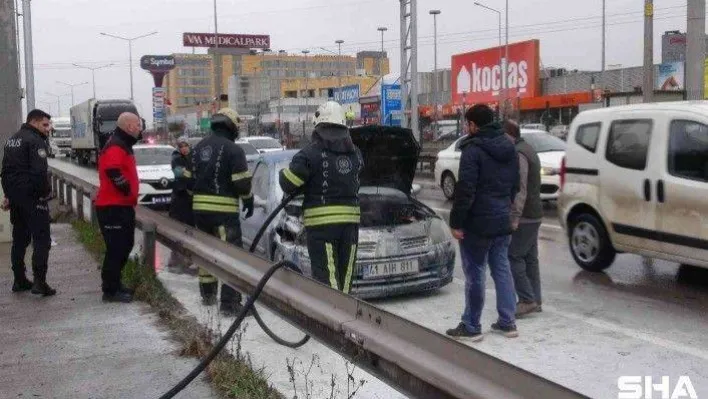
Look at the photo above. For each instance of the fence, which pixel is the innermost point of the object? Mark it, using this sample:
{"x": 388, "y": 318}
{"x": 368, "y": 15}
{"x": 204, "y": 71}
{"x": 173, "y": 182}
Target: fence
{"x": 413, "y": 359}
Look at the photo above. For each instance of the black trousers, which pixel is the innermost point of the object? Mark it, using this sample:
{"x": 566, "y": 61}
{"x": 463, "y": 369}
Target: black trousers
{"x": 332, "y": 252}
{"x": 228, "y": 228}
{"x": 118, "y": 228}
{"x": 30, "y": 223}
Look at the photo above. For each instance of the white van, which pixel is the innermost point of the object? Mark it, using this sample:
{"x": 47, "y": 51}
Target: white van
{"x": 635, "y": 179}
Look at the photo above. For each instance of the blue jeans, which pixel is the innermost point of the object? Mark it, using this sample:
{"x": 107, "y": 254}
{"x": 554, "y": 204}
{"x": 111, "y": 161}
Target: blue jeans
{"x": 475, "y": 252}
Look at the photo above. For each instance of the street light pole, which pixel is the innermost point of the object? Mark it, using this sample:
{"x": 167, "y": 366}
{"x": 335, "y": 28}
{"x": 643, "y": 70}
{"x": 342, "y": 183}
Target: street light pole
{"x": 58, "y": 97}
{"x": 435, "y": 14}
{"x": 382, "y": 29}
{"x": 29, "y": 61}
{"x": 130, "y": 53}
{"x": 502, "y": 63}
{"x": 307, "y": 91}
{"x": 93, "y": 74}
{"x": 339, "y": 65}
{"x": 71, "y": 86}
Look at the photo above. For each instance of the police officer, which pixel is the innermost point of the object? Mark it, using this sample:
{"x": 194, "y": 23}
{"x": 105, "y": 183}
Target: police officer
{"x": 25, "y": 182}
{"x": 181, "y": 201}
{"x": 327, "y": 171}
{"x": 221, "y": 177}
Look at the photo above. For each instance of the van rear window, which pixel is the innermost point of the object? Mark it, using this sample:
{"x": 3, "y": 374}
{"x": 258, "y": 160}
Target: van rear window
{"x": 587, "y": 136}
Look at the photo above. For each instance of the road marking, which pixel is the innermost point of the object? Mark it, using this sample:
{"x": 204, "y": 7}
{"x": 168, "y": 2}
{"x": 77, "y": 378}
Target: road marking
{"x": 605, "y": 325}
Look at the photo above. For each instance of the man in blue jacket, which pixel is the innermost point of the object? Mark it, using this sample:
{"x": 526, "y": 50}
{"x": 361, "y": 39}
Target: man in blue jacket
{"x": 480, "y": 220}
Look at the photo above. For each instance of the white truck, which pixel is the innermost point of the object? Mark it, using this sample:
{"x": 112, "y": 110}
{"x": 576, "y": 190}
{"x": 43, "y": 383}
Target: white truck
{"x": 92, "y": 123}
{"x": 61, "y": 135}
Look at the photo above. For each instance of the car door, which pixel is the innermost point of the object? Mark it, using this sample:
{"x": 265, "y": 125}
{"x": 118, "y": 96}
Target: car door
{"x": 260, "y": 184}
{"x": 682, "y": 189}
{"x": 627, "y": 173}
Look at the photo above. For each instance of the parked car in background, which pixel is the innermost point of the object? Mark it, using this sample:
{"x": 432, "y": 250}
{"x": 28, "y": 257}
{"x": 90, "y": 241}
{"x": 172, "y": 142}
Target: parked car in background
{"x": 155, "y": 173}
{"x": 534, "y": 126}
{"x": 550, "y": 151}
{"x": 252, "y": 153}
{"x": 404, "y": 246}
{"x": 635, "y": 179}
{"x": 264, "y": 143}
{"x": 560, "y": 131}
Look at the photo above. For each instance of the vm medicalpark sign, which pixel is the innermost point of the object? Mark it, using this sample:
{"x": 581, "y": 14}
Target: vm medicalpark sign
{"x": 225, "y": 41}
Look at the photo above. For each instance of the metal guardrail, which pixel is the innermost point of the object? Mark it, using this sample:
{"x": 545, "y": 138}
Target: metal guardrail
{"x": 413, "y": 359}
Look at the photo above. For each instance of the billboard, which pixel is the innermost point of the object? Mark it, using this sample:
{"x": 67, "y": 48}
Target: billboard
{"x": 347, "y": 94}
{"x": 225, "y": 41}
{"x": 158, "y": 105}
{"x": 477, "y": 76}
{"x": 157, "y": 63}
{"x": 391, "y": 108}
{"x": 670, "y": 76}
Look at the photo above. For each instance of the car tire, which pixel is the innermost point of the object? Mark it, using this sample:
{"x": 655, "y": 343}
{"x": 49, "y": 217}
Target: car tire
{"x": 447, "y": 183}
{"x": 589, "y": 243}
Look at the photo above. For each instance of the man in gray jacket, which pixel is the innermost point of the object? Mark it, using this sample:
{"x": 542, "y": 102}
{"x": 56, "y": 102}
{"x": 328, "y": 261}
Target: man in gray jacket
{"x": 526, "y": 215}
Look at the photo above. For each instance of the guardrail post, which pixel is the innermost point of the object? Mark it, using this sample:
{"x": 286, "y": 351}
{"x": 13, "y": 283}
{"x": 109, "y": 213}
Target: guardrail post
{"x": 62, "y": 197}
{"x": 149, "y": 240}
{"x": 94, "y": 216}
{"x": 55, "y": 185}
{"x": 70, "y": 196}
{"x": 80, "y": 203}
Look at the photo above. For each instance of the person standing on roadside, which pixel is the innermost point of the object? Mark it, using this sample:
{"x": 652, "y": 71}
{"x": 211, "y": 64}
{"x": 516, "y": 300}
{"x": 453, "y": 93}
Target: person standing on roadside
{"x": 526, "y": 216}
{"x": 115, "y": 203}
{"x": 181, "y": 201}
{"x": 480, "y": 220}
{"x": 25, "y": 181}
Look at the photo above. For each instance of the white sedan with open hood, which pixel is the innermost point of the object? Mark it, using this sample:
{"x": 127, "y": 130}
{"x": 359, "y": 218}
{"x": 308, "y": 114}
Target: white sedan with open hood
{"x": 155, "y": 174}
{"x": 404, "y": 246}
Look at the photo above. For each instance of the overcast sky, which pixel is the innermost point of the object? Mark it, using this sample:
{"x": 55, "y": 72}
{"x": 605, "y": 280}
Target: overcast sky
{"x": 67, "y": 31}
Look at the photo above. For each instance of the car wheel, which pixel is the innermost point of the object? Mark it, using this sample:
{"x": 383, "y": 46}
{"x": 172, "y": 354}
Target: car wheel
{"x": 590, "y": 244}
{"x": 448, "y": 185}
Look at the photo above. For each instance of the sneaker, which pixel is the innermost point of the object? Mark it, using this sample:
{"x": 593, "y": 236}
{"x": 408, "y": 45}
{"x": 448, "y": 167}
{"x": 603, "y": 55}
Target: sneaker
{"x": 43, "y": 289}
{"x": 507, "y": 331}
{"x": 460, "y": 332}
{"x": 120, "y": 296}
{"x": 21, "y": 285}
{"x": 524, "y": 308}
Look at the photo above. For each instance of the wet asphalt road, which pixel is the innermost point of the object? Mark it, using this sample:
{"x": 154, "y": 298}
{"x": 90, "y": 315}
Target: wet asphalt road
{"x": 636, "y": 318}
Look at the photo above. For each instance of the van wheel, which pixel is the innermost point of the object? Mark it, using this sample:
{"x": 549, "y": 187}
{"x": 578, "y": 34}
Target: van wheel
{"x": 590, "y": 244}
{"x": 448, "y": 185}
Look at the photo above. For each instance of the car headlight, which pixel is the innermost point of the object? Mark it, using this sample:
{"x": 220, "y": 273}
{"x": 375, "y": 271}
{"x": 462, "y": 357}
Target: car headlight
{"x": 548, "y": 171}
{"x": 439, "y": 232}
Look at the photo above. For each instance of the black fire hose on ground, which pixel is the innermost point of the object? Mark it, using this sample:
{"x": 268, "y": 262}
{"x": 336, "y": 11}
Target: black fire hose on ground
{"x": 248, "y": 306}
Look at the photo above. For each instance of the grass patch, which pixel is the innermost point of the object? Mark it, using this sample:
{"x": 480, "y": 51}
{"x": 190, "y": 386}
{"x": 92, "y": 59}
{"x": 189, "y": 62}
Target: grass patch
{"x": 231, "y": 377}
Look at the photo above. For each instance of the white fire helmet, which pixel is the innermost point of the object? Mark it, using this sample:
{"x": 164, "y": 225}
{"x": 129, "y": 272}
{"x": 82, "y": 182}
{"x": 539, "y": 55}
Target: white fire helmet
{"x": 330, "y": 112}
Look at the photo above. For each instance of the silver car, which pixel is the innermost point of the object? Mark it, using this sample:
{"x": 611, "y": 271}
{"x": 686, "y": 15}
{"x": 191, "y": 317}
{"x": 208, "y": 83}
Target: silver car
{"x": 404, "y": 246}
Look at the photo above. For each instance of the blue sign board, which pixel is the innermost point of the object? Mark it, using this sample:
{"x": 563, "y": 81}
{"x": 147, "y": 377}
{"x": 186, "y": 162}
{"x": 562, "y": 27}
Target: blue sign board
{"x": 391, "y": 107}
{"x": 347, "y": 94}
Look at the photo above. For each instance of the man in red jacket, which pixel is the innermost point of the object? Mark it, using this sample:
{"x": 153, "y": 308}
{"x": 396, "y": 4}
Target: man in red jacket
{"x": 115, "y": 203}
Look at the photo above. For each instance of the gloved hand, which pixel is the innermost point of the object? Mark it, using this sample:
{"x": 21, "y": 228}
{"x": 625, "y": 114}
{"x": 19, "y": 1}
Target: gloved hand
{"x": 248, "y": 206}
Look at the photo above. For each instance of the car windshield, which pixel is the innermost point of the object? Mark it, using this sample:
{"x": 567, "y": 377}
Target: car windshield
{"x": 108, "y": 126}
{"x": 153, "y": 156}
{"x": 61, "y": 132}
{"x": 248, "y": 148}
{"x": 543, "y": 142}
{"x": 265, "y": 143}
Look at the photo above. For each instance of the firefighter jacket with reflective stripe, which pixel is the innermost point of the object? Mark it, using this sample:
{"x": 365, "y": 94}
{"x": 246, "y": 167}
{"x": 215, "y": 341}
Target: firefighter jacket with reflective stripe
{"x": 24, "y": 166}
{"x": 220, "y": 174}
{"x": 327, "y": 171}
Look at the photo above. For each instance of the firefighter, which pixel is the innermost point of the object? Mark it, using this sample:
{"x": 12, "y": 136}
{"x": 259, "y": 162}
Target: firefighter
{"x": 327, "y": 171}
{"x": 221, "y": 177}
{"x": 25, "y": 182}
{"x": 181, "y": 201}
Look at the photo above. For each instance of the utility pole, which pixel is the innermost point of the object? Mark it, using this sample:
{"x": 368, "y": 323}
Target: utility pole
{"x": 307, "y": 92}
{"x": 436, "y": 88}
{"x": 409, "y": 65}
{"x": 10, "y": 95}
{"x": 501, "y": 62}
{"x": 339, "y": 65}
{"x": 603, "y": 42}
{"x": 71, "y": 86}
{"x": 695, "y": 49}
{"x": 29, "y": 59}
{"x": 648, "y": 86}
{"x": 130, "y": 53}
{"x": 217, "y": 58}
{"x": 58, "y": 97}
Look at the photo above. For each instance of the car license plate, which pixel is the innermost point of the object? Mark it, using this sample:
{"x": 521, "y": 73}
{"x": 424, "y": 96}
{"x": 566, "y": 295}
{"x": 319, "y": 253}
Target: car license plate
{"x": 161, "y": 200}
{"x": 377, "y": 270}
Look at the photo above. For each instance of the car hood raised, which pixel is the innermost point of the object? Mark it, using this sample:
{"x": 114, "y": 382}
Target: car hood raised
{"x": 390, "y": 156}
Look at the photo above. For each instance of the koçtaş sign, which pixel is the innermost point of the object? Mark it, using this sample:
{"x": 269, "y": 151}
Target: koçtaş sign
{"x": 478, "y": 77}
{"x": 225, "y": 41}
{"x": 157, "y": 63}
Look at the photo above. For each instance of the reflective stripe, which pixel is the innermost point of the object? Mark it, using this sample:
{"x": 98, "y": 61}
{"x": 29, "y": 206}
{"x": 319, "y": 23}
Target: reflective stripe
{"x": 222, "y": 233}
{"x": 205, "y": 277}
{"x": 240, "y": 176}
{"x": 215, "y": 199}
{"x": 331, "y": 266}
{"x": 350, "y": 267}
{"x": 337, "y": 219}
{"x": 214, "y": 208}
{"x": 293, "y": 177}
{"x": 332, "y": 210}
{"x": 187, "y": 174}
